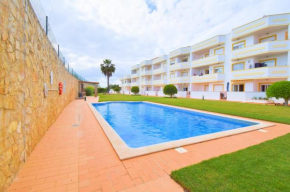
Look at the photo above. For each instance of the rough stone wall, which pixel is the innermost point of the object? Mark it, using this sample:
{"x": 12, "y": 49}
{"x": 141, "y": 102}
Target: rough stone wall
{"x": 26, "y": 59}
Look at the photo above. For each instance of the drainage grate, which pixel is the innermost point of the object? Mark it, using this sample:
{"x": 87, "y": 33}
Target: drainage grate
{"x": 181, "y": 150}
{"x": 263, "y": 130}
{"x": 75, "y": 125}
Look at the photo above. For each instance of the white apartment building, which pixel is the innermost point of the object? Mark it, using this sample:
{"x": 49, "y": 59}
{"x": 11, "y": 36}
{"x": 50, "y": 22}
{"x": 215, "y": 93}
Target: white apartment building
{"x": 238, "y": 66}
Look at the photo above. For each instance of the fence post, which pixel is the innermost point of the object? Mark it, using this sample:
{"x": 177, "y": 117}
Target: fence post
{"x": 68, "y": 67}
{"x": 58, "y": 50}
{"x": 46, "y": 26}
{"x": 64, "y": 60}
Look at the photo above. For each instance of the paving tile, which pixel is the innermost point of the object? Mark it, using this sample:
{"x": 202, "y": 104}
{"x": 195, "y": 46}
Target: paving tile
{"x": 83, "y": 159}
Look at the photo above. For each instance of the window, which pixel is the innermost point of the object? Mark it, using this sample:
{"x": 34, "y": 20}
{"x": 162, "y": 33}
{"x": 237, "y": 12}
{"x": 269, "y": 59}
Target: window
{"x": 206, "y": 55}
{"x": 264, "y": 87}
{"x": 269, "y": 62}
{"x": 219, "y": 69}
{"x": 269, "y": 38}
{"x": 239, "y": 45}
{"x": 206, "y": 71}
{"x": 238, "y": 66}
{"x": 238, "y": 88}
{"x": 219, "y": 51}
{"x": 172, "y": 75}
{"x": 172, "y": 62}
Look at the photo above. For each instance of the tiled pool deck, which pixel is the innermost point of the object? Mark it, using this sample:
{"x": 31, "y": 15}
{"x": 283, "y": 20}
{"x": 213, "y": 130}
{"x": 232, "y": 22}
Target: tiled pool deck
{"x": 81, "y": 158}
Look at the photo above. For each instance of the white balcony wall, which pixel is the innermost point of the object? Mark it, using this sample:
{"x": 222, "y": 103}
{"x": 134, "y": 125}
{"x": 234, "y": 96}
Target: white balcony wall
{"x": 160, "y": 94}
{"x": 206, "y": 94}
{"x": 151, "y": 93}
{"x": 262, "y": 72}
{"x": 181, "y": 94}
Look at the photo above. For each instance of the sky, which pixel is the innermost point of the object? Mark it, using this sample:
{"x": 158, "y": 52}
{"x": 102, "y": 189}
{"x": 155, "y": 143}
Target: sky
{"x": 131, "y": 31}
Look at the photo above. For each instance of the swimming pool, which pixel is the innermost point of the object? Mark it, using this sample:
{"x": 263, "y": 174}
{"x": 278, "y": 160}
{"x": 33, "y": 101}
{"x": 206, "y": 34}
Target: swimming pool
{"x": 141, "y": 125}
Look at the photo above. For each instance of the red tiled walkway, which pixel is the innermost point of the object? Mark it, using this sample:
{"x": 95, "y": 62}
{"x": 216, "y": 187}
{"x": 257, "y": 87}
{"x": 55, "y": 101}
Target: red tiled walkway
{"x": 81, "y": 158}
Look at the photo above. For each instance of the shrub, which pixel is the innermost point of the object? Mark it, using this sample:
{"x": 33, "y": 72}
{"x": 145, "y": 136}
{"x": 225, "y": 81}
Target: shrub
{"x": 90, "y": 90}
{"x": 117, "y": 89}
{"x": 101, "y": 90}
{"x": 170, "y": 90}
{"x": 278, "y": 90}
{"x": 135, "y": 90}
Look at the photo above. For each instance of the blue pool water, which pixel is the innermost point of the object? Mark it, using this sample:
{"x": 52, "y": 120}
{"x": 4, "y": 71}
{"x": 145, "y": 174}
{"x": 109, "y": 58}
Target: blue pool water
{"x": 141, "y": 124}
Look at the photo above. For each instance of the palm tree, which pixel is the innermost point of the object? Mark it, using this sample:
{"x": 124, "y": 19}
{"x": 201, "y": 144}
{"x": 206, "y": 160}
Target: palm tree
{"x": 108, "y": 69}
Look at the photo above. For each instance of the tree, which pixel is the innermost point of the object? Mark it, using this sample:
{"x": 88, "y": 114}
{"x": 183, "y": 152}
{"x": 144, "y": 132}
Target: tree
{"x": 135, "y": 90}
{"x": 278, "y": 90}
{"x": 89, "y": 90}
{"x": 108, "y": 69}
{"x": 113, "y": 86}
{"x": 170, "y": 90}
{"x": 117, "y": 89}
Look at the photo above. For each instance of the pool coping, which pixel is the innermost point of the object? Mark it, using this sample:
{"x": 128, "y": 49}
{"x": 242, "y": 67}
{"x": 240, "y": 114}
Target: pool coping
{"x": 126, "y": 152}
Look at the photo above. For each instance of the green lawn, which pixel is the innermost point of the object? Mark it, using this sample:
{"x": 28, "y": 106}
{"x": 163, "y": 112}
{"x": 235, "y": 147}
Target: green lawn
{"x": 256, "y": 111}
{"x": 264, "y": 167}
{"x": 261, "y": 168}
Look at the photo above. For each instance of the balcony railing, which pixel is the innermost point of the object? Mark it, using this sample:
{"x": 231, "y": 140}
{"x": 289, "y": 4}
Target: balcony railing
{"x": 209, "y": 43}
{"x": 208, "y": 61}
{"x": 261, "y": 73}
{"x": 260, "y": 24}
{"x": 213, "y": 77}
{"x": 159, "y": 82}
{"x": 159, "y": 59}
{"x": 261, "y": 48}
{"x": 159, "y": 70}
{"x": 144, "y": 73}
{"x": 177, "y": 80}
{"x": 178, "y": 66}
{"x": 146, "y": 82}
{"x": 180, "y": 51}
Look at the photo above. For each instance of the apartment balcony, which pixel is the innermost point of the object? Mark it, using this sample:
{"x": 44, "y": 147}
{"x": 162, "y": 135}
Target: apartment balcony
{"x": 261, "y": 73}
{"x": 263, "y": 25}
{"x": 160, "y": 82}
{"x": 208, "y": 61}
{"x": 146, "y": 82}
{"x": 160, "y": 59}
{"x": 135, "y": 75}
{"x": 180, "y": 51}
{"x": 127, "y": 77}
{"x": 146, "y": 63}
{"x": 179, "y": 66}
{"x": 213, "y": 77}
{"x": 178, "y": 80}
{"x": 135, "y": 67}
{"x": 126, "y": 84}
{"x": 135, "y": 84}
{"x": 159, "y": 70}
{"x": 261, "y": 49}
{"x": 209, "y": 43}
{"x": 146, "y": 73}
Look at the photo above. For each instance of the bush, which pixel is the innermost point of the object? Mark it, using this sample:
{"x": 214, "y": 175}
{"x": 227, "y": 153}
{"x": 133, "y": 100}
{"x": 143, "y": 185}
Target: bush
{"x": 90, "y": 90}
{"x": 135, "y": 90}
{"x": 170, "y": 90}
{"x": 117, "y": 89}
{"x": 102, "y": 90}
{"x": 280, "y": 89}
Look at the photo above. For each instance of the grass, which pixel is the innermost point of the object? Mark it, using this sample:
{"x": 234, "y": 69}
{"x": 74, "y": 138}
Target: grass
{"x": 278, "y": 114}
{"x": 264, "y": 167}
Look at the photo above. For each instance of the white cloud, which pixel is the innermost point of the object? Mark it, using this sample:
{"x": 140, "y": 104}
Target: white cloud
{"x": 128, "y": 31}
